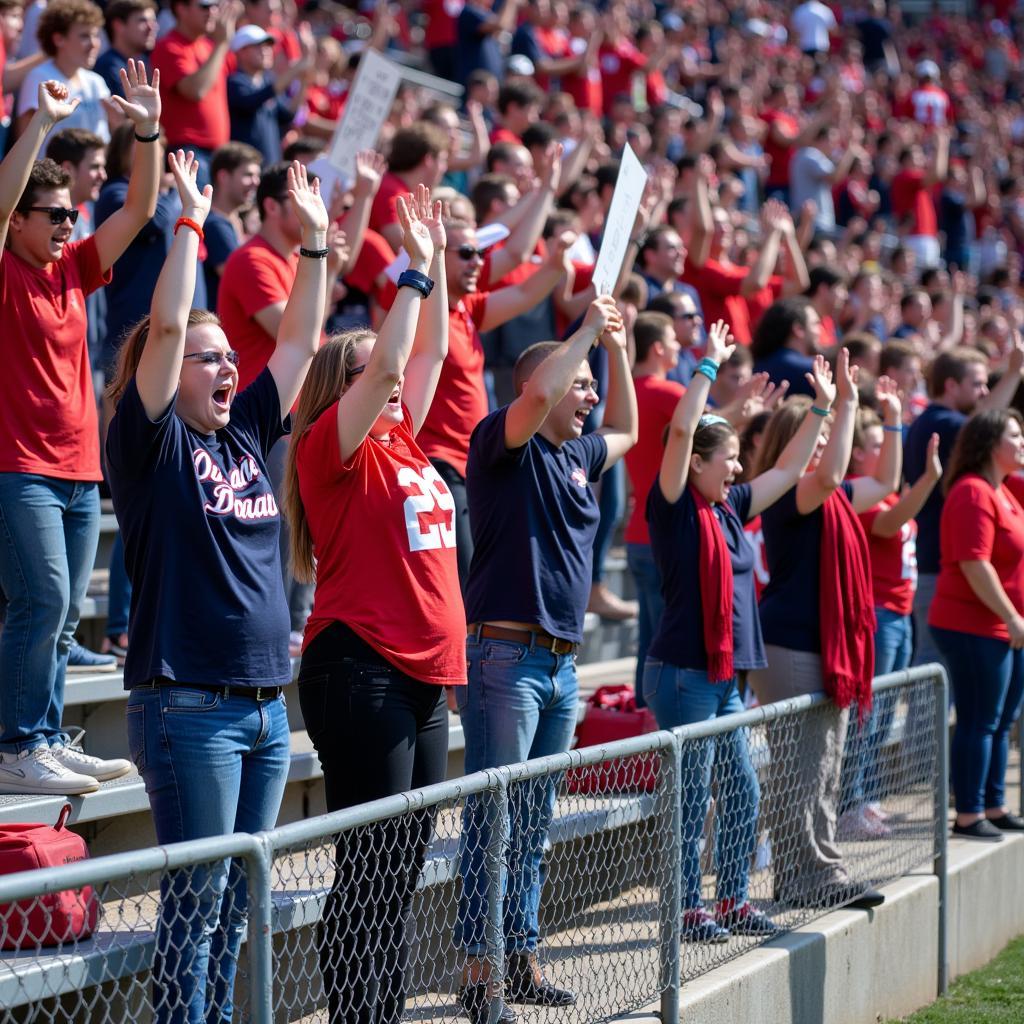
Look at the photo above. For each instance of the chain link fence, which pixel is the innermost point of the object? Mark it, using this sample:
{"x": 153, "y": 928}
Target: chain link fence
{"x": 428, "y": 905}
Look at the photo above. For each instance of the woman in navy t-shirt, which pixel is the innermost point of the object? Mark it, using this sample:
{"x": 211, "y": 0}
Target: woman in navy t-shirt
{"x": 696, "y": 514}
{"x": 208, "y": 652}
{"x": 817, "y": 614}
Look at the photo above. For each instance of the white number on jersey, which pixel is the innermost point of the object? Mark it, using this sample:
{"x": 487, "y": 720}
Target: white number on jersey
{"x": 430, "y": 496}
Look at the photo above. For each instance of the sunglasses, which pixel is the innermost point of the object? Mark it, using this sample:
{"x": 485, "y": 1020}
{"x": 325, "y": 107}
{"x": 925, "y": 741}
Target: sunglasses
{"x": 57, "y": 213}
{"x": 213, "y": 357}
{"x": 467, "y": 252}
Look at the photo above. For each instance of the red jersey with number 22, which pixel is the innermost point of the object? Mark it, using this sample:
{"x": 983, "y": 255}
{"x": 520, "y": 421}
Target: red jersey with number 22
{"x": 384, "y": 541}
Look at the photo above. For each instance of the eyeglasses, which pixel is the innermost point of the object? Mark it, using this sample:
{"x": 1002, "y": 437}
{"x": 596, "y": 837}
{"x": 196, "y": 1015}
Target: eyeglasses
{"x": 212, "y": 357}
{"x": 467, "y": 252}
{"x": 582, "y": 384}
{"x": 57, "y": 213}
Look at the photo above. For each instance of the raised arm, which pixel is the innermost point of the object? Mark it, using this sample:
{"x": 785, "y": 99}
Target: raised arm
{"x": 480, "y": 141}
{"x": 797, "y": 278}
{"x": 195, "y": 86}
{"x": 769, "y": 486}
{"x": 1002, "y": 394}
{"x": 160, "y": 365}
{"x": 620, "y": 426}
{"x": 768, "y": 254}
{"x": 507, "y": 303}
{"x": 815, "y": 487}
{"x": 430, "y": 345}
{"x": 868, "y": 491}
{"x": 890, "y": 521}
{"x": 675, "y": 461}
{"x": 299, "y": 334}
{"x": 370, "y": 168}
{"x": 553, "y": 379}
{"x": 374, "y": 386}
{"x": 16, "y": 167}
{"x": 141, "y": 105}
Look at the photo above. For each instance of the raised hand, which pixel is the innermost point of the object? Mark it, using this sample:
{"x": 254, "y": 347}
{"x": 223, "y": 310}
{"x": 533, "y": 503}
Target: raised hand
{"x": 54, "y": 102}
{"x": 194, "y": 204}
{"x": 431, "y": 215}
{"x": 720, "y": 344}
{"x": 888, "y": 396}
{"x": 550, "y": 170}
{"x": 820, "y": 378}
{"x": 932, "y": 463}
{"x": 559, "y": 246}
{"x": 416, "y": 235}
{"x": 228, "y": 14}
{"x": 370, "y": 168}
{"x": 846, "y": 378}
{"x": 307, "y": 202}
{"x": 339, "y": 253}
{"x": 141, "y": 102}
{"x": 602, "y": 314}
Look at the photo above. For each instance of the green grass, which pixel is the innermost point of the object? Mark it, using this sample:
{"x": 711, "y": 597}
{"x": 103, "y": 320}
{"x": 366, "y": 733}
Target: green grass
{"x": 993, "y": 995}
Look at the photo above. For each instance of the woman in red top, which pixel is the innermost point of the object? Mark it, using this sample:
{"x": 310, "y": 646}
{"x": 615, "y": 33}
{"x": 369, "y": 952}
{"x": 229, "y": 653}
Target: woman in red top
{"x": 977, "y": 616}
{"x": 372, "y": 520}
{"x": 892, "y": 550}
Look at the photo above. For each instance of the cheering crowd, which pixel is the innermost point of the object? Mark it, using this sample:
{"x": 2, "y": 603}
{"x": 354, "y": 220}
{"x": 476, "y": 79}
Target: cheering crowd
{"x": 341, "y": 425}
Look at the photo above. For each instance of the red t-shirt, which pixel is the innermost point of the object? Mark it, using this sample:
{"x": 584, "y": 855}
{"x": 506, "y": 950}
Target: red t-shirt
{"x": 893, "y": 561}
{"x": 587, "y": 87}
{"x": 912, "y": 198}
{"x": 460, "y": 401}
{"x": 48, "y": 420}
{"x": 755, "y": 534}
{"x": 205, "y": 124}
{"x": 375, "y": 256}
{"x": 255, "y": 276}
{"x": 759, "y": 303}
{"x": 618, "y": 64}
{"x": 779, "y": 155}
{"x": 656, "y": 400}
{"x": 979, "y": 523}
{"x": 719, "y": 288}
{"x": 382, "y": 212}
{"x": 384, "y": 542}
{"x": 326, "y": 101}
{"x": 442, "y": 22}
{"x": 504, "y": 135}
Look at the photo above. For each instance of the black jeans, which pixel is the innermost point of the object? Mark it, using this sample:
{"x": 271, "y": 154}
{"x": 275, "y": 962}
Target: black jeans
{"x": 377, "y": 732}
{"x": 463, "y": 538}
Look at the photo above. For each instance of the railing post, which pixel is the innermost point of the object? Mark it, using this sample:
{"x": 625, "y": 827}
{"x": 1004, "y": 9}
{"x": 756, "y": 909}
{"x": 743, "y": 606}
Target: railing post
{"x": 260, "y": 941}
{"x": 496, "y": 813}
{"x": 671, "y": 901}
{"x": 941, "y": 697}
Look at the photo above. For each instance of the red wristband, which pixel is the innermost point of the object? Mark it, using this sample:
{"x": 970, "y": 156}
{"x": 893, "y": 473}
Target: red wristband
{"x": 189, "y": 223}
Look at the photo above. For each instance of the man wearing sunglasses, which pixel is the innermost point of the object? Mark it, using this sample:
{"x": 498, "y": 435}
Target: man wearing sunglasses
{"x": 49, "y": 436}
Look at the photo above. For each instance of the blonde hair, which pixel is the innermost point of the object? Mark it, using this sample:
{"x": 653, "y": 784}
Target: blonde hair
{"x": 329, "y": 375}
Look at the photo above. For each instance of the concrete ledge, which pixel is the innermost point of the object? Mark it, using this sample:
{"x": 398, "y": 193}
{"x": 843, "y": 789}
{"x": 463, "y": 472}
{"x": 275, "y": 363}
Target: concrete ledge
{"x": 854, "y": 966}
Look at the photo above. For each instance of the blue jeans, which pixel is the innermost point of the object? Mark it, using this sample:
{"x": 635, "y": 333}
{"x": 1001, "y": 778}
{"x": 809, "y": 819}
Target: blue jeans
{"x": 988, "y": 685}
{"x": 680, "y": 696}
{"x": 212, "y": 765}
{"x": 49, "y": 529}
{"x": 864, "y": 740}
{"x": 652, "y": 604}
{"x": 119, "y": 593}
{"x": 611, "y": 502}
{"x": 520, "y": 703}
{"x": 926, "y": 649}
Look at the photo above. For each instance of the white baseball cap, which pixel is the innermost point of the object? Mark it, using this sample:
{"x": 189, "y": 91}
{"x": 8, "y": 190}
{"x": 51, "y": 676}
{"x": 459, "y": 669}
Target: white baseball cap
{"x": 249, "y": 35}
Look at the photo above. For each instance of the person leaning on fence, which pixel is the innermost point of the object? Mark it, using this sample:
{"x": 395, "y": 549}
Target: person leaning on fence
{"x": 818, "y": 621}
{"x": 49, "y": 437}
{"x": 208, "y": 652}
{"x": 710, "y": 630}
{"x": 534, "y": 516}
{"x": 385, "y": 637}
{"x": 977, "y": 616}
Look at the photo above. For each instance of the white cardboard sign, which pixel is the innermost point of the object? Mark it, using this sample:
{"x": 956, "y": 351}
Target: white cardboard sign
{"x": 618, "y": 225}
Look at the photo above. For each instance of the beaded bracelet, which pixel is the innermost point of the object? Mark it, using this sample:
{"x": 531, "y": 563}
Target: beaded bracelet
{"x": 818, "y": 411}
{"x": 314, "y": 254}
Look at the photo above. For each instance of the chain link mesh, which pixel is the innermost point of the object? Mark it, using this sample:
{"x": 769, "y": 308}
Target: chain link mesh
{"x": 791, "y": 816}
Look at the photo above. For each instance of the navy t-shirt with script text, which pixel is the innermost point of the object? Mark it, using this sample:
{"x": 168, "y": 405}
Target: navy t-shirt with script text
{"x": 790, "y": 611}
{"x": 534, "y": 516}
{"x": 201, "y": 529}
{"x": 675, "y": 542}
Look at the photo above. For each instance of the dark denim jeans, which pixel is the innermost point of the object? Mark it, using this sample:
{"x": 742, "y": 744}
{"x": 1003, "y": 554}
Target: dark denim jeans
{"x": 988, "y": 685}
{"x": 648, "y": 592}
{"x": 679, "y": 697}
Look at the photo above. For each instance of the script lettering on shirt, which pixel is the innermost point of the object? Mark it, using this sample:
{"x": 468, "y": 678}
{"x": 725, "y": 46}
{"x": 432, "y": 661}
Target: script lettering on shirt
{"x": 221, "y": 491}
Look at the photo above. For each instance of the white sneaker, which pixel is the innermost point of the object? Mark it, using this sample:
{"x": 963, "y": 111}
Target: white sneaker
{"x": 855, "y": 824}
{"x": 75, "y": 759}
{"x": 38, "y": 771}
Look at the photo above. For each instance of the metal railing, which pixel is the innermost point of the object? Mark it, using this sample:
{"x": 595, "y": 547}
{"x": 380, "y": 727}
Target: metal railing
{"x": 374, "y": 908}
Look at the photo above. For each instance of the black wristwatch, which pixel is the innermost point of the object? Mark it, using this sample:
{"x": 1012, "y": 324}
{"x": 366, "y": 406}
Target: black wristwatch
{"x": 414, "y": 279}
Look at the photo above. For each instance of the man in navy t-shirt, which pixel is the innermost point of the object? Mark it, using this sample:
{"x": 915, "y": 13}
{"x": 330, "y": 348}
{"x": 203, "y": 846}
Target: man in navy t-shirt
{"x": 534, "y": 516}
{"x": 785, "y": 343}
{"x": 958, "y": 386}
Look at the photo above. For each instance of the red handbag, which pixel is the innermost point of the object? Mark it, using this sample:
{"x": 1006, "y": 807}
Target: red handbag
{"x": 50, "y": 919}
{"x": 611, "y": 715}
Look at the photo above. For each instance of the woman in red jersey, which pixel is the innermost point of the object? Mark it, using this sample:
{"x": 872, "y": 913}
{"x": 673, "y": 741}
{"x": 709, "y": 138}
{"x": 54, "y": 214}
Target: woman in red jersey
{"x": 387, "y": 631}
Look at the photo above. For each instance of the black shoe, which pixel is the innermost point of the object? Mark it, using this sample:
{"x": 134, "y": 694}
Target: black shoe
{"x": 525, "y": 983}
{"x": 1008, "y": 823}
{"x": 747, "y": 920}
{"x": 868, "y": 899}
{"x": 699, "y": 926}
{"x": 983, "y": 829}
{"x": 835, "y": 896}
{"x": 476, "y": 1002}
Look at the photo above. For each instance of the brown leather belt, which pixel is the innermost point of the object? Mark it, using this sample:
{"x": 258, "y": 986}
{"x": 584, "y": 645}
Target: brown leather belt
{"x": 534, "y": 637}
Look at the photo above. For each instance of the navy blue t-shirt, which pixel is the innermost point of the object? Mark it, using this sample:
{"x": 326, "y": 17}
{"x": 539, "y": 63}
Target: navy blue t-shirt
{"x": 475, "y": 49}
{"x": 108, "y": 67}
{"x": 534, "y": 516}
{"x": 936, "y": 419}
{"x": 786, "y": 364}
{"x": 221, "y": 242}
{"x": 675, "y": 542}
{"x": 258, "y": 115}
{"x": 790, "y": 616}
{"x": 201, "y": 530}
